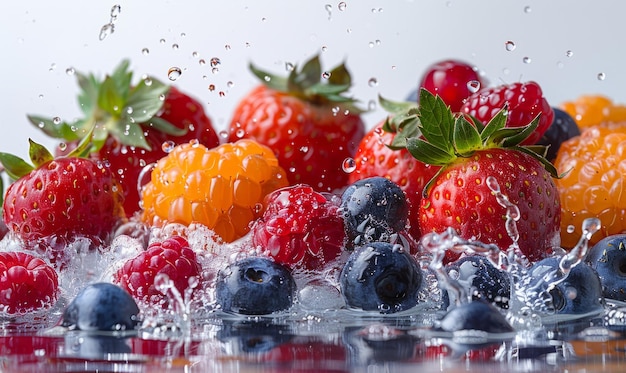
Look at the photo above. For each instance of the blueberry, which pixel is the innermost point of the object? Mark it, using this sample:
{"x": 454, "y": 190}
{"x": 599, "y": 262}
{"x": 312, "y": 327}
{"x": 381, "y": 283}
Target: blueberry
{"x": 475, "y": 315}
{"x": 253, "y": 336}
{"x": 101, "y": 307}
{"x": 580, "y": 292}
{"x": 608, "y": 258}
{"x": 563, "y": 128}
{"x": 395, "y": 345}
{"x": 255, "y": 286}
{"x": 87, "y": 345}
{"x": 380, "y": 276}
{"x": 482, "y": 279}
{"x": 373, "y": 209}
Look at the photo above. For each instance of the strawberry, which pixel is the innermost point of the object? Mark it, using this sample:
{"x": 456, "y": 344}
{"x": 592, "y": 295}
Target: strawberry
{"x": 172, "y": 257}
{"x": 460, "y": 197}
{"x": 452, "y": 80}
{"x": 27, "y": 283}
{"x": 221, "y": 188}
{"x": 311, "y": 126}
{"x": 133, "y": 123}
{"x": 524, "y": 100}
{"x": 63, "y": 197}
{"x": 376, "y": 156}
{"x": 300, "y": 227}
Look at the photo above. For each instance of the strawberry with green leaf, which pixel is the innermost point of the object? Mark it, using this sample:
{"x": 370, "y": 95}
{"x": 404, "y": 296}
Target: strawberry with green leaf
{"x": 469, "y": 153}
{"x": 67, "y": 196}
{"x": 131, "y": 123}
{"x": 306, "y": 119}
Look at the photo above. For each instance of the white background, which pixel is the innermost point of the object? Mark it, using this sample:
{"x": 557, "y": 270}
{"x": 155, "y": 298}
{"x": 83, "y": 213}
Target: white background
{"x": 562, "y": 44}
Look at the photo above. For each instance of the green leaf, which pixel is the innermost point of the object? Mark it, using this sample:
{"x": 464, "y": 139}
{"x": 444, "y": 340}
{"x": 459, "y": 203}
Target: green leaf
{"x": 310, "y": 75}
{"x": 38, "y": 154}
{"x": 395, "y": 107}
{"x": 523, "y": 133}
{"x": 340, "y": 76}
{"x": 84, "y": 147}
{"x": 328, "y": 90}
{"x": 57, "y": 131}
{"x": 131, "y": 134}
{"x": 466, "y": 137}
{"x": 437, "y": 121}
{"x": 122, "y": 78}
{"x": 15, "y": 166}
{"x": 495, "y": 124}
{"x": 145, "y": 101}
{"x": 88, "y": 96}
{"x": 164, "y": 126}
{"x": 546, "y": 163}
{"x": 109, "y": 98}
{"x": 272, "y": 81}
{"x": 427, "y": 152}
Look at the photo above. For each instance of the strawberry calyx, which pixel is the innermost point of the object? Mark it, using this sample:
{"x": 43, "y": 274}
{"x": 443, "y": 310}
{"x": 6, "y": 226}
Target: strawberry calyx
{"x": 312, "y": 85}
{"x": 403, "y": 120}
{"x": 114, "y": 106}
{"x": 443, "y": 137}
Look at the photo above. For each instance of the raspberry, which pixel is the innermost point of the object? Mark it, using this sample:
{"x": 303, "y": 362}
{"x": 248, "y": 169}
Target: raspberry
{"x": 172, "y": 257}
{"x": 222, "y": 188}
{"x": 27, "y": 283}
{"x": 300, "y": 227}
{"x": 454, "y": 81}
{"x": 525, "y": 101}
{"x": 589, "y": 110}
{"x": 594, "y": 164}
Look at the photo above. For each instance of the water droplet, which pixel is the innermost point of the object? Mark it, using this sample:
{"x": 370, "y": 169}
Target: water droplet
{"x": 601, "y": 76}
{"x": 215, "y": 71}
{"x": 342, "y": 6}
{"x": 230, "y": 84}
{"x": 147, "y": 81}
{"x": 526, "y": 60}
{"x": 70, "y": 71}
{"x": 174, "y": 73}
{"x": 289, "y": 66}
{"x": 509, "y": 45}
{"x": 349, "y": 30}
{"x": 194, "y": 54}
{"x": 527, "y": 9}
{"x": 115, "y": 11}
{"x": 175, "y": 46}
{"x": 473, "y": 86}
{"x": 325, "y": 75}
{"x": 215, "y": 62}
{"x": 56, "y": 120}
{"x": 223, "y": 134}
{"x": 211, "y": 87}
{"x": 373, "y": 82}
{"x": 162, "y": 41}
{"x": 371, "y": 105}
{"x": 570, "y": 229}
{"x": 569, "y": 53}
{"x": 202, "y": 62}
{"x": 348, "y": 165}
{"x": 145, "y": 51}
{"x": 40, "y": 95}
{"x": 222, "y": 93}
{"x": 227, "y": 47}
{"x": 62, "y": 146}
{"x": 52, "y": 67}
{"x": 324, "y": 48}
{"x": 168, "y": 146}
{"x": 106, "y": 30}
{"x": 329, "y": 10}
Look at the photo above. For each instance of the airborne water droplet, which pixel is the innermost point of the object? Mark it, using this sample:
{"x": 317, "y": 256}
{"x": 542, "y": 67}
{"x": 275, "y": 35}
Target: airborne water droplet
{"x": 509, "y": 45}
{"x": 174, "y": 73}
{"x": 326, "y": 75}
{"x": 373, "y": 82}
{"x": 348, "y": 165}
{"x": 569, "y": 53}
{"x": 145, "y": 51}
{"x": 601, "y": 76}
{"x": 289, "y": 66}
{"x": 56, "y": 120}
{"x": 168, "y": 146}
{"x": 473, "y": 86}
{"x": 70, "y": 71}
{"x": 175, "y": 46}
{"x": 106, "y": 30}
{"x": 526, "y": 60}
{"x": 215, "y": 62}
{"x": 342, "y": 6}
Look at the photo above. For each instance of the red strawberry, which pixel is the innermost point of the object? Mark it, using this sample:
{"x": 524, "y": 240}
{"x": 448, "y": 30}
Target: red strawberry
{"x": 65, "y": 197}
{"x": 172, "y": 257}
{"x": 459, "y": 195}
{"x": 132, "y": 124}
{"x": 375, "y": 157}
{"x": 452, "y": 80}
{"x": 300, "y": 227}
{"x": 310, "y": 125}
{"x": 524, "y": 100}
{"x": 27, "y": 283}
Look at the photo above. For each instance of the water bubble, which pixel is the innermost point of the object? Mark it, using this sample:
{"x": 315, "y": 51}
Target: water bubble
{"x": 342, "y": 6}
{"x": 509, "y": 45}
{"x": 145, "y": 51}
{"x": 168, "y": 146}
{"x": 372, "y": 82}
{"x": 348, "y": 165}
{"x": 174, "y": 73}
{"x": 601, "y": 76}
{"x": 473, "y": 86}
{"x": 526, "y": 60}
{"x": 215, "y": 62}
{"x": 70, "y": 71}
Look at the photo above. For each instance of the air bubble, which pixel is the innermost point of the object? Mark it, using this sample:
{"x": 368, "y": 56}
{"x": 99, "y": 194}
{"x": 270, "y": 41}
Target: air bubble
{"x": 509, "y": 45}
{"x": 348, "y": 165}
{"x": 174, "y": 73}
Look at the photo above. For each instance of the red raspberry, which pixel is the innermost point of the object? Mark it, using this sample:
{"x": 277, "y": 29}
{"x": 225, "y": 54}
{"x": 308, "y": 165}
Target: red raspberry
{"x": 27, "y": 283}
{"x": 453, "y": 80}
{"x": 300, "y": 227}
{"x": 525, "y": 101}
{"x": 172, "y": 257}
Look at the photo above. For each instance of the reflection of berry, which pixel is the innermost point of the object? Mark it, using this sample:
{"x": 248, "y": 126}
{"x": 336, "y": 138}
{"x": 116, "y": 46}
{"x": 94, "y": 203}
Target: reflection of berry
{"x": 172, "y": 257}
{"x": 27, "y": 283}
{"x": 594, "y": 168}
{"x": 589, "y": 110}
{"x": 222, "y": 188}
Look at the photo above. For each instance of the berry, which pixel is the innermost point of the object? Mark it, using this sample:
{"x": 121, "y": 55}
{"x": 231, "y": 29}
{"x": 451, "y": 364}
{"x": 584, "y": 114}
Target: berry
{"x": 300, "y": 227}
{"x": 373, "y": 209}
{"x": 255, "y": 286}
{"x": 580, "y": 293}
{"x": 101, "y": 306}
{"x": 172, "y": 257}
{"x": 482, "y": 280}
{"x": 462, "y": 195}
{"x": 453, "y": 80}
{"x": 476, "y": 315}
{"x": 27, "y": 283}
{"x": 590, "y": 110}
{"x": 222, "y": 188}
{"x": 562, "y": 128}
{"x": 524, "y": 100}
{"x": 382, "y": 277}
{"x": 310, "y": 125}
{"x": 66, "y": 196}
{"x": 375, "y": 158}
{"x": 134, "y": 123}
{"x": 608, "y": 258}
{"x": 254, "y": 336}
{"x": 592, "y": 182}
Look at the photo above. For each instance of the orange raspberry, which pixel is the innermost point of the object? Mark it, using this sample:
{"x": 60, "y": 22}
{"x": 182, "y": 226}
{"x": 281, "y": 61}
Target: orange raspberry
{"x": 222, "y": 188}
{"x": 594, "y": 184}
{"x": 589, "y": 110}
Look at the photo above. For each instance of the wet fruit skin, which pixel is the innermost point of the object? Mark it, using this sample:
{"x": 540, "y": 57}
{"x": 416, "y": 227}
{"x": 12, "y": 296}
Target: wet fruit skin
{"x": 608, "y": 258}
{"x": 482, "y": 280}
{"x": 373, "y": 209}
{"x": 381, "y": 277}
{"x": 222, "y": 188}
{"x": 590, "y": 110}
{"x": 563, "y": 128}
{"x": 255, "y": 286}
{"x": 27, "y": 283}
{"x": 453, "y": 80}
{"x": 300, "y": 227}
{"x": 101, "y": 307}
{"x": 475, "y": 315}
